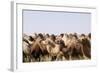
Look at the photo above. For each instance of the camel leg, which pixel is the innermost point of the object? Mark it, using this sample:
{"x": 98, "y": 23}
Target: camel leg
{"x": 48, "y": 58}
{"x": 63, "y": 58}
{"x": 80, "y": 57}
{"x": 84, "y": 56}
{"x": 60, "y": 56}
{"x": 53, "y": 58}
{"x": 70, "y": 57}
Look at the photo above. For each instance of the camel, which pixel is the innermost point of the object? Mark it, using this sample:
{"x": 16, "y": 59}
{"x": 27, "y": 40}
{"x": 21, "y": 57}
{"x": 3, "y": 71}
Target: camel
{"x": 38, "y": 49}
{"x": 86, "y": 42}
{"x": 53, "y": 49}
{"x": 73, "y": 48}
{"x": 45, "y": 47}
{"x": 26, "y": 51}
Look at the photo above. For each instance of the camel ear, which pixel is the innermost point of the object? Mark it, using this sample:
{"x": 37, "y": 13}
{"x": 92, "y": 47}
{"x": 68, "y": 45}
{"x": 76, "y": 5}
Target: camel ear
{"x": 31, "y": 38}
{"x": 89, "y": 35}
{"x": 26, "y": 41}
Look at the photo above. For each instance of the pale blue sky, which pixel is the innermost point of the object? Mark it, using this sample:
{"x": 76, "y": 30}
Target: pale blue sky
{"x": 55, "y": 22}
